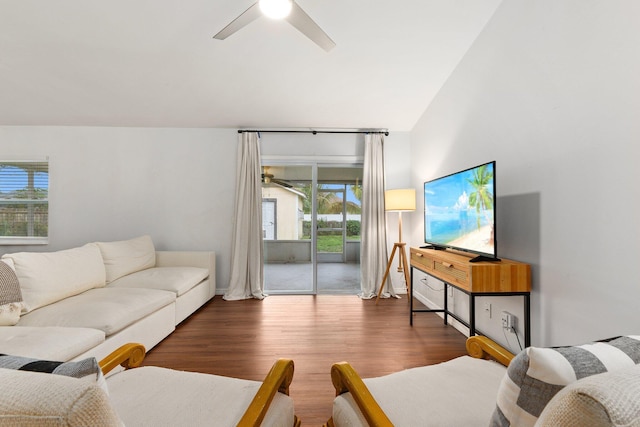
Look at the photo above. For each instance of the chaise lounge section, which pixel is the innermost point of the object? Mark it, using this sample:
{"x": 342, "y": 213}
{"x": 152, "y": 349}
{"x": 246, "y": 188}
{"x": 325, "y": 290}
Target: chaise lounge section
{"x": 88, "y": 301}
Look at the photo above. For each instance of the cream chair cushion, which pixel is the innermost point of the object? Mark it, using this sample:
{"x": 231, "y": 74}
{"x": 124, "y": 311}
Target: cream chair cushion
{"x": 42, "y": 400}
{"x": 459, "y": 392}
{"x": 159, "y": 397}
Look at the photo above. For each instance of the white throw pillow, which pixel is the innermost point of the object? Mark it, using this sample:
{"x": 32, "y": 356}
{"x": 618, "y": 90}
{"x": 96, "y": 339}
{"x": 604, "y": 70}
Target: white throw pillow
{"x": 607, "y": 399}
{"x": 10, "y": 295}
{"x": 36, "y": 398}
{"x": 127, "y": 256}
{"x": 47, "y": 277}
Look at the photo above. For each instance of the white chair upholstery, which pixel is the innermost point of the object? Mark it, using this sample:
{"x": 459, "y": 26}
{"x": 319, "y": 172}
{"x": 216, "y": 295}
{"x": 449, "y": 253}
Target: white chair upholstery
{"x": 145, "y": 396}
{"x": 459, "y": 392}
{"x": 158, "y": 397}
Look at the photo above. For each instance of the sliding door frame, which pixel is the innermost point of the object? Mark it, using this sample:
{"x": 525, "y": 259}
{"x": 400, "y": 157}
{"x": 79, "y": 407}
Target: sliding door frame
{"x": 315, "y": 163}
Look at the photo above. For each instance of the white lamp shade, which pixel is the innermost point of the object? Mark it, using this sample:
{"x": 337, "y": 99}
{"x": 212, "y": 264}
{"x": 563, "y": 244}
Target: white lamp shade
{"x": 400, "y": 200}
{"x": 275, "y": 9}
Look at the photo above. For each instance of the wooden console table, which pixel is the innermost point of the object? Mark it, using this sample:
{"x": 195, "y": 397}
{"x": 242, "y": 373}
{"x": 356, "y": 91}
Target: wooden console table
{"x": 485, "y": 278}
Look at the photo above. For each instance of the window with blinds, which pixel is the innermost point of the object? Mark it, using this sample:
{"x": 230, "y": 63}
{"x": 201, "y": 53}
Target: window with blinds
{"x": 24, "y": 202}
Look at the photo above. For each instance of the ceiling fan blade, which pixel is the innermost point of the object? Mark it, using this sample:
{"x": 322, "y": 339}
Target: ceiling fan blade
{"x": 282, "y": 183}
{"x": 307, "y": 26}
{"x": 245, "y": 18}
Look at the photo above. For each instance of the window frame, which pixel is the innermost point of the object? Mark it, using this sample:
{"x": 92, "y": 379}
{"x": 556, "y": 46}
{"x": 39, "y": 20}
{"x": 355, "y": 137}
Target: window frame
{"x": 38, "y": 165}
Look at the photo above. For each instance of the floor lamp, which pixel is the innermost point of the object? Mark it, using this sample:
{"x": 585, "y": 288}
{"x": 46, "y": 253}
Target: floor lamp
{"x": 403, "y": 200}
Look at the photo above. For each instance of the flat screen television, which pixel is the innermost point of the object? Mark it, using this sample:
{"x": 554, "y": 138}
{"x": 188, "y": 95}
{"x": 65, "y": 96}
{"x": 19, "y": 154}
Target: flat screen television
{"x": 459, "y": 212}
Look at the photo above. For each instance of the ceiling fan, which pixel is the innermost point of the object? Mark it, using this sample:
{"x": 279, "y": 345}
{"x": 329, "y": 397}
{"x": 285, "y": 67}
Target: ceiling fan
{"x": 268, "y": 178}
{"x": 280, "y": 9}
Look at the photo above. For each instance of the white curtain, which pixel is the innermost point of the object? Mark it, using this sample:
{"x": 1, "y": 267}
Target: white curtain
{"x": 373, "y": 251}
{"x": 247, "y": 265}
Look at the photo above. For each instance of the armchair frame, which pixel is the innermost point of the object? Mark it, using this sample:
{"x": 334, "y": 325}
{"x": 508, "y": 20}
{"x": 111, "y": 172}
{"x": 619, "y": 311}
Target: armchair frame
{"x": 277, "y": 380}
{"x": 346, "y": 380}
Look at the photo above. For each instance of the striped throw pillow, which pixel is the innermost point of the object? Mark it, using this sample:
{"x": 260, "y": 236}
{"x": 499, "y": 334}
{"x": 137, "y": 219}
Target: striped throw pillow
{"x": 536, "y": 374}
{"x": 10, "y": 294}
{"x": 86, "y": 369}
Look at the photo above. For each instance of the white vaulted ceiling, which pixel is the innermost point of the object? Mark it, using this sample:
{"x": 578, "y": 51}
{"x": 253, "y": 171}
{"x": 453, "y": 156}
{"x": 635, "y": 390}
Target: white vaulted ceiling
{"x": 154, "y": 63}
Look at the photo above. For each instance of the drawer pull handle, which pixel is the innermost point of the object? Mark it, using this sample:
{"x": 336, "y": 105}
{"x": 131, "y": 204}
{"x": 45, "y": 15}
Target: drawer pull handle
{"x": 446, "y": 264}
{"x": 419, "y": 255}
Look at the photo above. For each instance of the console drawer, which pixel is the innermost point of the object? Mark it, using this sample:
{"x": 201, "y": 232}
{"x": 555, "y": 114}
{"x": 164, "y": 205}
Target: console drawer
{"x": 422, "y": 261}
{"x": 452, "y": 272}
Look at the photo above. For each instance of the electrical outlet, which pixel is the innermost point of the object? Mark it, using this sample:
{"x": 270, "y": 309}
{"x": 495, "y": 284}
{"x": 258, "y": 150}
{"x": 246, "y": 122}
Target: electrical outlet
{"x": 487, "y": 309}
{"x": 508, "y": 320}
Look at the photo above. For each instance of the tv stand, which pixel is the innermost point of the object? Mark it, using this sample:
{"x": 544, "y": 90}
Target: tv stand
{"x": 482, "y": 258}
{"x": 478, "y": 278}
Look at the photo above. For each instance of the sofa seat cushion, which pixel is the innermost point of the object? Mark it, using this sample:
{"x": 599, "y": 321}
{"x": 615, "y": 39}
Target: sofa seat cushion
{"x": 49, "y": 342}
{"x": 164, "y": 397}
{"x": 38, "y": 399}
{"x": 127, "y": 256}
{"x": 459, "y": 392}
{"x": 175, "y": 279}
{"x": 47, "y": 277}
{"x": 107, "y": 309}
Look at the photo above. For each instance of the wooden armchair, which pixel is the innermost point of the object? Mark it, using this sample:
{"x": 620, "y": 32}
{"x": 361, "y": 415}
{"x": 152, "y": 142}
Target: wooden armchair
{"x": 160, "y": 396}
{"x": 458, "y": 392}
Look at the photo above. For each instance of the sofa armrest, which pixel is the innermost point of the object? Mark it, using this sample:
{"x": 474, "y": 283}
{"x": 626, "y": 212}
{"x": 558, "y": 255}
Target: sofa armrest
{"x": 277, "y": 380}
{"x": 128, "y": 356}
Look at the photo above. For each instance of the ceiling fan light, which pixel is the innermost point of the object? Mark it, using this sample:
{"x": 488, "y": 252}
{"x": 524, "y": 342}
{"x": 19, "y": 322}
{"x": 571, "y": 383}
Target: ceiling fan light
{"x": 276, "y": 9}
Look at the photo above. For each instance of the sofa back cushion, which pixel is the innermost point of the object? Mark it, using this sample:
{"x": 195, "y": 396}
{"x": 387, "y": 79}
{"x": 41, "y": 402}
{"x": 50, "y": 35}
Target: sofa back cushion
{"x": 47, "y": 277}
{"x": 127, "y": 256}
{"x": 537, "y": 374}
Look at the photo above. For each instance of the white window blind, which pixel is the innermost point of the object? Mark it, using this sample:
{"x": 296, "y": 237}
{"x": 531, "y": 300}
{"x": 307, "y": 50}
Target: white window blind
{"x": 24, "y": 202}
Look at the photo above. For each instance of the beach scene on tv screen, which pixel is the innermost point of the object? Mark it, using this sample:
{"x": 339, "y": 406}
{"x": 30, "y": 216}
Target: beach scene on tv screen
{"x": 459, "y": 210}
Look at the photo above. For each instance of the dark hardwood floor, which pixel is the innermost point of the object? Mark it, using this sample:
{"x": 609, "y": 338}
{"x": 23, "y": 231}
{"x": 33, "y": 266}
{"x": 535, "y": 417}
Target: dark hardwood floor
{"x": 243, "y": 338}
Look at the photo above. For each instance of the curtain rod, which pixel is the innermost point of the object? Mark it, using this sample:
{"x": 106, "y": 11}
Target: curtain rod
{"x": 385, "y": 132}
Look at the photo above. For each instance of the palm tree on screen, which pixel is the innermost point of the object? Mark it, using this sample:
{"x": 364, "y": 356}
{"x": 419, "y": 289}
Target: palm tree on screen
{"x": 482, "y": 198}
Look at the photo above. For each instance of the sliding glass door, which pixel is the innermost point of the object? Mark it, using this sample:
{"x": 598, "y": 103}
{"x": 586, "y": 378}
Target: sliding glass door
{"x": 311, "y": 228}
{"x": 339, "y": 191}
{"x": 288, "y": 250}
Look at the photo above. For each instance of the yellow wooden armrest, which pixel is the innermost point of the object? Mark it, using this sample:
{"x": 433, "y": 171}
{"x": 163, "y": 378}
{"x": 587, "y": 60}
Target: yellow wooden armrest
{"x": 482, "y": 347}
{"x": 128, "y": 355}
{"x": 277, "y": 380}
{"x": 346, "y": 379}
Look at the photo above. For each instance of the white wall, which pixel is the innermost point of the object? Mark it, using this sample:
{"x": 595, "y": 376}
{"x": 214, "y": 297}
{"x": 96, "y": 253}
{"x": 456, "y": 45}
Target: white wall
{"x": 550, "y": 90}
{"x": 177, "y": 185}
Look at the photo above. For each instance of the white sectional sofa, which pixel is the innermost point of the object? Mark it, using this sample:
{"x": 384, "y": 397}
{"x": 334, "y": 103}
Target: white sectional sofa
{"x": 89, "y": 300}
